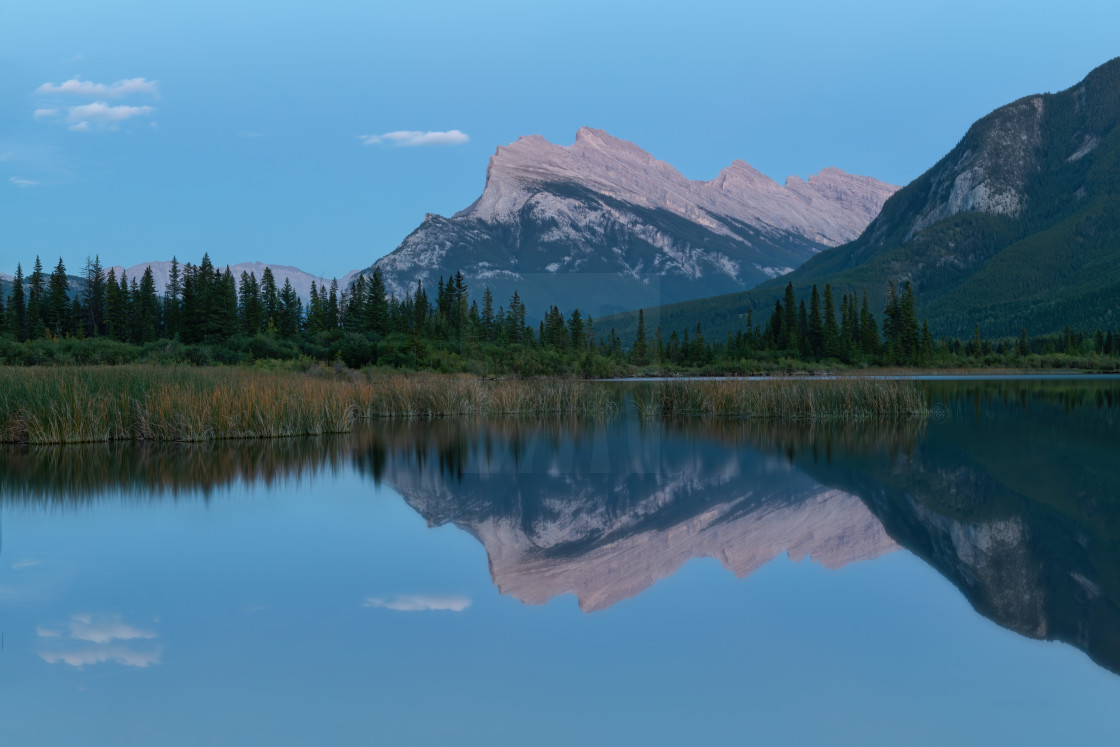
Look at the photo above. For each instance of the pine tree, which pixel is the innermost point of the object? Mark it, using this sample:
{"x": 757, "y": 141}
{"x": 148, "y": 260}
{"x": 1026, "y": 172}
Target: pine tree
{"x": 35, "y": 325}
{"x": 639, "y": 353}
{"x": 146, "y": 303}
{"x": 816, "y": 324}
{"x": 909, "y": 327}
{"x": 93, "y": 322}
{"x": 332, "y": 308}
{"x": 250, "y": 305}
{"x": 1024, "y": 347}
{"x": 576, "y": 331}
{"x": 788, "y": 340}
{"x": 172, "y": 300}
{"x": 831, "y": 330}
{"x": 377, "y": 304}
{"x": 290, "y": 312}
{"x": 486, "y": 317}
{"x": 892, "y": 327}
{"x": 225, "y": 306}
{"x": 17, "y": 309}
{"x": 270, "y": 297}
{"x": 56, "y": 310}
{"x": 804, "y": 348}
{"x": 868, "y": 329}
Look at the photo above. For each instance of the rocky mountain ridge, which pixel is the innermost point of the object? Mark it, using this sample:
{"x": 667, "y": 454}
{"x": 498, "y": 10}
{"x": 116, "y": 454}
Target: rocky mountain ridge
{"x": 1016, "y": 227}
{"x": 602, "y": 223}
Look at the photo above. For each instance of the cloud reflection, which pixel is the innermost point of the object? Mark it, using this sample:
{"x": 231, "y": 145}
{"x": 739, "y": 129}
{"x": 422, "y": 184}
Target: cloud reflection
{"x": 95, "y": 640}
{"x": 420, "y": 603}
{"x": 124, "y": 655}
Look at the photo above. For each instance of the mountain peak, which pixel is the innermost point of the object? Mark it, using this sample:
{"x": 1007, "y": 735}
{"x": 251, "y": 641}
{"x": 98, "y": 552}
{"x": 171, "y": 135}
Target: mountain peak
{"x": 617, "y": 228}
{"x": 831, "y": 208}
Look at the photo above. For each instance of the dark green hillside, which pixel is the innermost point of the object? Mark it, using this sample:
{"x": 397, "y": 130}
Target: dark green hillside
{"x": 1018, "y": 226}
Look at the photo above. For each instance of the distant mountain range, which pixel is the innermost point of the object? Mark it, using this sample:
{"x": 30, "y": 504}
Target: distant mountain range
{"x": 161, "y": 270}
{"x": 604, "y": 226}
{"x": 301, "y": 281}
{"x": 1017, "y": 227}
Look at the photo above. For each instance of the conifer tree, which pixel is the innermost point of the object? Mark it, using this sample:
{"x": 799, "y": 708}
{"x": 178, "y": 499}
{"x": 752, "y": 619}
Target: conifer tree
{"x": 17, "y": 309}
{"x": 868, "y": 329}
{"x": 333, "y": 310}
{"x": 816, "y": 324}
{"x": 93, "y": 322}
{"x": 486, "y": 316}
{"x": 831, "y": 330}
{"x": 639, "y": 353}
{"x": 35, "y": 325}
{"x": 788, "y": 340}
{"x": 146, "y": 308}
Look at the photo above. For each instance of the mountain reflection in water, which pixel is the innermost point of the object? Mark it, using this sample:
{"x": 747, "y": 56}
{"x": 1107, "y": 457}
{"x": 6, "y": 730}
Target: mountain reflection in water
{"x": 1012, "y": 492}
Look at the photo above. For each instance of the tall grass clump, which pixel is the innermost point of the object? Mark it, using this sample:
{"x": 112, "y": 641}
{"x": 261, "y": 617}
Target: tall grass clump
{"x": 77, "y": 404}
{"x": 791, "y": 399}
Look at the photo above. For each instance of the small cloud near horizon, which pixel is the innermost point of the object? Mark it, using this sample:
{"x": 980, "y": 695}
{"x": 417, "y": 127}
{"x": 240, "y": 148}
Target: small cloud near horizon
{"x": 78, "y": 87}
{"x": 28, "y": 562}
{"x": 40, "y": 113}
{"x": 420, "y": 603}
{"x": 23, "y": 183}
{"x": 416, "y": 138}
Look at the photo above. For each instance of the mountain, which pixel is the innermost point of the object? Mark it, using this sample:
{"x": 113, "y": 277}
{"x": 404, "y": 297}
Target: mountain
{"x": 1017, "y": 226}
{"x": 604, "y": 226}
{"x": 301, "y": 281}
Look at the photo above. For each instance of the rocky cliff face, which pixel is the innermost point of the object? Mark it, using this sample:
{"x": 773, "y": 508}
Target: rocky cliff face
{"x": 1015, "y": 227}
{"x": 564, "y": 224}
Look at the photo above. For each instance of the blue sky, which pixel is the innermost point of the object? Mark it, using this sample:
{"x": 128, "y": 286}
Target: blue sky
{"x": 238, "y": 128}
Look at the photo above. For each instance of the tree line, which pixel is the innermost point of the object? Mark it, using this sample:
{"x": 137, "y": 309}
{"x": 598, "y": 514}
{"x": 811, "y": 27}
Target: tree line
{"x": 217, "y": 316}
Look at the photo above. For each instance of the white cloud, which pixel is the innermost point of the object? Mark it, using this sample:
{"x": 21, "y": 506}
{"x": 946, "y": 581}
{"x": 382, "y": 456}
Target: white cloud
{"x": 419, "y": 603}
{"x": 41, "y": 113}
{"x": 99, "y": 639}
{"x": 28, "y": 562}
{"x": 413, "y": 138}
{"x": 104, "y": 630}
{"x": 101, "y": 115}
{"x": 19, "y": 182}
{"x": 81, "y": 657}
{"x": 78, "y": 87}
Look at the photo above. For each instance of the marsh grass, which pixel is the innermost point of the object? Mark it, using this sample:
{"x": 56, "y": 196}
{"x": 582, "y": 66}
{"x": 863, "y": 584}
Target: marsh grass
{"x": 140, "y": 403}
{"x": 789, "y": 399}
{"x": 85, "y": 404}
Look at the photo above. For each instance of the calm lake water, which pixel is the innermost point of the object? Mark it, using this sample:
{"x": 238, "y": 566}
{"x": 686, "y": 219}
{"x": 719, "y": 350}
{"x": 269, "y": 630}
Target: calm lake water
{"x": 521, "y": 582}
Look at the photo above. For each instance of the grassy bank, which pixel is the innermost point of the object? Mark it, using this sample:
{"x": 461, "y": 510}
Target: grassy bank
{"x": 160, "y": 403}
{"x": 791, "y": 399}
{"x": 139, "y": 403}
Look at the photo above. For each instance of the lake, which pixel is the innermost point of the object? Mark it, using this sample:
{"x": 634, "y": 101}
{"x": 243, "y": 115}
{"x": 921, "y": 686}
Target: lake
{"x": 557, "y": 582}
